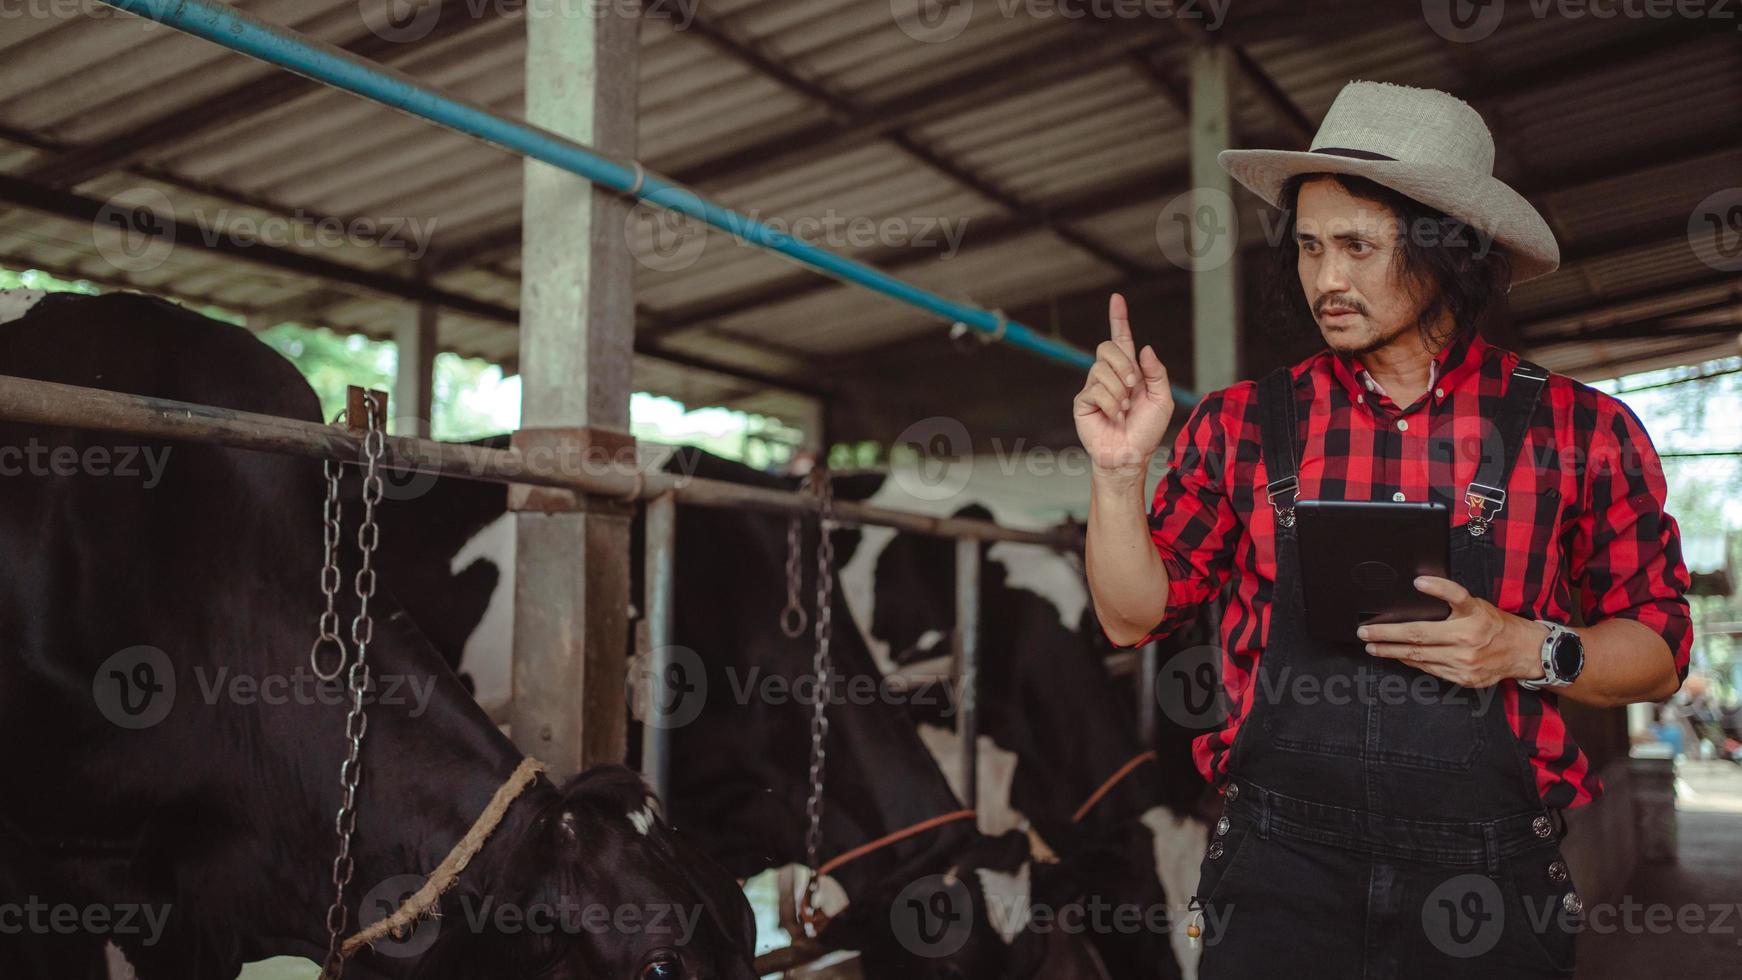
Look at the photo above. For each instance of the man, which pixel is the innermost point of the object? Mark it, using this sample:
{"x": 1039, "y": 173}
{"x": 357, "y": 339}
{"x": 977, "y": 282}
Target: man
{"x": 1409, "y": 828}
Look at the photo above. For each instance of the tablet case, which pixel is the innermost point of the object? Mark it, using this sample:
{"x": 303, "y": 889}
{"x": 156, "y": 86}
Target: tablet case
{"x": 1359, "y": 561}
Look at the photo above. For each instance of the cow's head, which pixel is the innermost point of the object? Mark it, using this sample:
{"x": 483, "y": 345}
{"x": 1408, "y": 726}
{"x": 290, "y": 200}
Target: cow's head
{"x": 595, "y": 886}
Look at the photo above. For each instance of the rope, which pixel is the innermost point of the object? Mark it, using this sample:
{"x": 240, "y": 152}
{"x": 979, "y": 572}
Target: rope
{"x": 1112, "y": 781}
{"x": 888, "y": 839}
{"x": 422, "y": 904}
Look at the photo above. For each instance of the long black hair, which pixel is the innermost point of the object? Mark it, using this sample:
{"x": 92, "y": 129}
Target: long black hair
{"x": 1453, "y": 266}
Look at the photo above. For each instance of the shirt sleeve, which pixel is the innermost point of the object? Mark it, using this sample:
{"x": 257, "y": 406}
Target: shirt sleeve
{"x": 1626, "y": 552}
{"x": 1191, "y": 520}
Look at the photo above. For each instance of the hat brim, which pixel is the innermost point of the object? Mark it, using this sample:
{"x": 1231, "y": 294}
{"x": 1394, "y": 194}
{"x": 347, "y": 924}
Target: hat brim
{"x": 1487, "y": 204}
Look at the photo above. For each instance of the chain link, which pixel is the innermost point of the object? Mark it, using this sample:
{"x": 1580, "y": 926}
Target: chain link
{"x": 817, "y": 482}
{"x": 357, "y": 680}
{"x": 792, "y": 618}
{"x": 331, "y": 518}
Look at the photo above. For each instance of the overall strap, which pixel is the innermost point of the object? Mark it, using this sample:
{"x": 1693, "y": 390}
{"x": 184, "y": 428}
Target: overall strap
{"x": 1486, "y": 495}
{"x": 1276, "y": 414}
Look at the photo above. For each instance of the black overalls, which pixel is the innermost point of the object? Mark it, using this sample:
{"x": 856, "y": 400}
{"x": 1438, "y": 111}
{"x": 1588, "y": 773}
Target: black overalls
{"x": 1385, "y": 825}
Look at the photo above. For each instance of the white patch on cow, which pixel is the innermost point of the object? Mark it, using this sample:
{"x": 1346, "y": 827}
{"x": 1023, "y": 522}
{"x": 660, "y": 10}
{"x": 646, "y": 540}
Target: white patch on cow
{"x": 489, "y": 652}
{"x": 14, "y": 303}
{"x": 1008, "y": 905}
{"x": 996, "y": 769}
{"x": 831, "y": 898}
{"x": 1179, "y": 850}
{"x": 644, "y": 819}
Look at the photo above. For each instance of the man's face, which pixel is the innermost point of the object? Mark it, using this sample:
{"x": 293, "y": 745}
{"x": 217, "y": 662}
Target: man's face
{"x": 1348, "y": 252}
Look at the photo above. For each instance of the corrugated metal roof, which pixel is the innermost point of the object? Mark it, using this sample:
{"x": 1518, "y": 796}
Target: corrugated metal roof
{"x": 1618, "y": 130}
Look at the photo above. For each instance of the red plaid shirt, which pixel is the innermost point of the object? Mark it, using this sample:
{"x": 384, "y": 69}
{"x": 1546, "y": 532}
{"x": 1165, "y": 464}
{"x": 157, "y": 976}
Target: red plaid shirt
{"x": 1584, "y": 510}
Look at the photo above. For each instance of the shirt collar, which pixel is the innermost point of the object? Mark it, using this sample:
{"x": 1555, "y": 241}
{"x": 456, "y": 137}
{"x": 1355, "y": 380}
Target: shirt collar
{"x": 1448, "y": 369}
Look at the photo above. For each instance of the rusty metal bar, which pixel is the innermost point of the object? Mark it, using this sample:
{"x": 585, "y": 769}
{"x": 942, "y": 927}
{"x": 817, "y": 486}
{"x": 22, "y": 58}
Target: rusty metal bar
{"x": 47, "y": 403}
{"x": 657, "y": 597}
{"x": 968, "y": 665}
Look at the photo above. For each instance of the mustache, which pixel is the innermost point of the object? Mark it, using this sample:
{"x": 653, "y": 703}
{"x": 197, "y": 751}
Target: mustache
{"x": 1339, "y": 301}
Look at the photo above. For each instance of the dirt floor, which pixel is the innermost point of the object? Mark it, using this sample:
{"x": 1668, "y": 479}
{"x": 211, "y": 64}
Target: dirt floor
{"x": 1681, "y": 920}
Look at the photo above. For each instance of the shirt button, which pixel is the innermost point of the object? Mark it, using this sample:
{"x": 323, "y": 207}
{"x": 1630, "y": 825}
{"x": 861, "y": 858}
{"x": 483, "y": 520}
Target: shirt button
{"x": 1403, "y": 425}
{"x": 1398, "y": 496}
{"x": 1439, "y": 392}
{"x": 1360, "y": 399}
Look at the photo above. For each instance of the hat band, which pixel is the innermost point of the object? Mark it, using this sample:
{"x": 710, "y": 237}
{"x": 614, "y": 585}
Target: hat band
{"x": 1357, "y": 154}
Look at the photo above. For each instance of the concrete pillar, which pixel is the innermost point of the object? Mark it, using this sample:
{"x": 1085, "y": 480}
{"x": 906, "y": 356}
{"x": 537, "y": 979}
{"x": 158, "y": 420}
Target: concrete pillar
{"x": 1216, "y": 328}
{"x": 576, "y": 336}
{"x": 414, "y": 373}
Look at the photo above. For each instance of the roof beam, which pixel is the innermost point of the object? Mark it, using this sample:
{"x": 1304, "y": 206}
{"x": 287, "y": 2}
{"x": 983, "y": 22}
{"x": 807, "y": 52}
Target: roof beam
{"x": 77, "y": 166}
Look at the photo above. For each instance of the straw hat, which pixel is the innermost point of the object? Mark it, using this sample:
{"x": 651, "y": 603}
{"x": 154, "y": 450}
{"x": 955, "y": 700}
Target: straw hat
{"x": 1422, "y": 143}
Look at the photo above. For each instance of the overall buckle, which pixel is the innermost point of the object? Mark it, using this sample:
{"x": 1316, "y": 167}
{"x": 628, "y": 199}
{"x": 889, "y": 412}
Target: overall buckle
{"x": 1479, "y": 496}
{"x": 1284, "y": 512}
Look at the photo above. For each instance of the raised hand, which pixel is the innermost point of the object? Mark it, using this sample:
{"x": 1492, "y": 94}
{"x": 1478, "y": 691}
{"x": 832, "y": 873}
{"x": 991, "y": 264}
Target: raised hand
{"x": 1123, "y": 410}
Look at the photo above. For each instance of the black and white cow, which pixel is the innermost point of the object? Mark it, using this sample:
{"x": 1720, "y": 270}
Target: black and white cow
{"x": 1053, "y": 726}
{"x": 171, "y": 774}
{"x": 740, "y": 758}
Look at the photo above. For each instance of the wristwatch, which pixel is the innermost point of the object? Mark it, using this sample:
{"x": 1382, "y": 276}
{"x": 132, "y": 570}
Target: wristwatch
{"x": 1563, "y": 658}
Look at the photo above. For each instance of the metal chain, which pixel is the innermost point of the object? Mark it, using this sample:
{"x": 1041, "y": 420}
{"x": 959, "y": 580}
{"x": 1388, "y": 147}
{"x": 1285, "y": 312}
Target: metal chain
{"x": 331, "y": 517}
{"x": 792, "y": 618}
{"x": 818, "y": 482}
{"x": 357, "y": 681}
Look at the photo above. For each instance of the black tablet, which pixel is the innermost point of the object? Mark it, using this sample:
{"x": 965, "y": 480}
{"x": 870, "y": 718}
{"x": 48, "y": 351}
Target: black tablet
{"x": 1359, "y": 561}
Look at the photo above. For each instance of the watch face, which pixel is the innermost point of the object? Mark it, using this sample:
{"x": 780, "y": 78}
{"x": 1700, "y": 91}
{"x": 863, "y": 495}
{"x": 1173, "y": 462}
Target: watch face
{"x": 1569, "y": 655}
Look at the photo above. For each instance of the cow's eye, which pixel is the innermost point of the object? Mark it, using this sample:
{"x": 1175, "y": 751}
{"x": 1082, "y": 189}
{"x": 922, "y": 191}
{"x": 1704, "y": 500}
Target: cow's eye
{"x": 663, "y": 965}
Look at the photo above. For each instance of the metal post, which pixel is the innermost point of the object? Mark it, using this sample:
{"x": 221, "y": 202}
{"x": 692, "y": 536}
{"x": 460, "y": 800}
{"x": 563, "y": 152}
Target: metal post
{"x": 968, "y": 664}
{"x": 577, "y": 327}
{"x": 414, "y": 373}
{"x": 657, "y": 591}
{"x": 1216, "y": 335}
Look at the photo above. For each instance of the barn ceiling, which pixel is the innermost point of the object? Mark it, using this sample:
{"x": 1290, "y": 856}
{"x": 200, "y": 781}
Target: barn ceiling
{"x": 1022, "y": 163}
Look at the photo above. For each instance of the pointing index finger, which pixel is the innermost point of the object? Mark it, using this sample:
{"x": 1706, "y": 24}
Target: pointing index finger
{"x": 1119, "y": 319}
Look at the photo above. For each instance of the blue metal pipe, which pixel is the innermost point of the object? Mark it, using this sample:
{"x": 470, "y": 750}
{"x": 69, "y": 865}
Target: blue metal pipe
{"x": 333, "y": 66}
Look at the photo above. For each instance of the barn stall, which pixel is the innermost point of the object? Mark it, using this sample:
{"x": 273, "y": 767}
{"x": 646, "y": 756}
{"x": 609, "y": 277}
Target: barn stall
{"x": 787, "y": 111}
